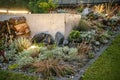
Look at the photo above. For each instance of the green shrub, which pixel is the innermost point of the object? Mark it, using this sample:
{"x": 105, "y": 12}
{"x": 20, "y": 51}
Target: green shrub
{"x": 47, "y": 6}
{"x": 74, "y": 35}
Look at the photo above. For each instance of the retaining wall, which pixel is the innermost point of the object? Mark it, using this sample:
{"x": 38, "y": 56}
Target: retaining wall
{"x": 51, "y": 23}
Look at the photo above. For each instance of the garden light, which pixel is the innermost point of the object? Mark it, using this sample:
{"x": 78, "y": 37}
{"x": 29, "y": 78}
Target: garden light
{"x": 3, "y": 11}
{"x": 18, "y": 12}
{"x": 14, "y": 11}
{"x": 33, "y": 47}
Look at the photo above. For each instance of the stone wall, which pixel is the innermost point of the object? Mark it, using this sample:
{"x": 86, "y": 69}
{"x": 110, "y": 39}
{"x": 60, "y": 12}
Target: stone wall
{"x": 51, "y": 23}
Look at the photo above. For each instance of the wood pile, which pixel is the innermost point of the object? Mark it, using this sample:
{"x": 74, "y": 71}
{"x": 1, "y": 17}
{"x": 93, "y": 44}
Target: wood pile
{"x": 14, "y": 27}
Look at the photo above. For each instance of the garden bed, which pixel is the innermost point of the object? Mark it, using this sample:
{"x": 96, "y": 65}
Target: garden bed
{"x": 60, "y": 58}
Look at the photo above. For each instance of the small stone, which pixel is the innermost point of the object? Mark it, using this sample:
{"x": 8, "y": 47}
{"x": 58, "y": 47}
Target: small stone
{"x": 86, "y": 11}
{"x": 65, "y": 42}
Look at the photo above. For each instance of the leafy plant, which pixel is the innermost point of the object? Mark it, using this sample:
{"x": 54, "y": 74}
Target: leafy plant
{"x": 47, "y": 6}
{"x": 13, "y": 66}
{"x": 88, "y": 36}
{"x": 74, "y": 35}
{"x": 52, "y": 67}
{"x": 44, "y": 6}
{"x": 33, "y": 6}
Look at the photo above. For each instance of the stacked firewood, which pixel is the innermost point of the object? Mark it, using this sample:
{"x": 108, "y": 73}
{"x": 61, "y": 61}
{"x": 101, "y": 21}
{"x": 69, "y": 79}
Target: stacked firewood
{"x": 14, "y": 27}
{"x": 20, "y": 25}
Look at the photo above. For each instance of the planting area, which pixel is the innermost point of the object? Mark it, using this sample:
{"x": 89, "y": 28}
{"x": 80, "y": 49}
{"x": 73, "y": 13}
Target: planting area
{"x": 60, "y": 58}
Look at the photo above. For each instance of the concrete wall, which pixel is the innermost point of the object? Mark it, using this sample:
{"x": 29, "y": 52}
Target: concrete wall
{"x": 51, "y": 23}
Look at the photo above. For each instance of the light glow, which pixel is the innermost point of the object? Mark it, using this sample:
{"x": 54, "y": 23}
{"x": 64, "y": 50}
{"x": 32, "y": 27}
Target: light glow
{"x": 17, "y": 12}
{"x": 14, "y": 11}
{"x": 33, "y": 47}
{"x": 4, "y": 11}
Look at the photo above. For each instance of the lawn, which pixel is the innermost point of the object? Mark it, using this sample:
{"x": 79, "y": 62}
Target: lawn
{"x": 107, "y": 67}
{"x": 5, "y": 75}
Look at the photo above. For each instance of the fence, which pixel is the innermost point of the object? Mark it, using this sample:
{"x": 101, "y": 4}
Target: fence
{"x": 68, "y": 2}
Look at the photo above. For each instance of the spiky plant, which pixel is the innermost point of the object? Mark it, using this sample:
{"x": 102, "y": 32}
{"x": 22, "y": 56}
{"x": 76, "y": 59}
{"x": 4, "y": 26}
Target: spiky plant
{"x": 110, "y": 9}
{"x": 22, "y": 43}
{"x": 83, "y": 49}
{"x": 52, "y": 67}
{"x": 99, "y": 8}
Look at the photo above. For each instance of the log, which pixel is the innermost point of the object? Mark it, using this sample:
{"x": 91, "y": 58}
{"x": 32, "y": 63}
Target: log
{"x": 17, "y": 20}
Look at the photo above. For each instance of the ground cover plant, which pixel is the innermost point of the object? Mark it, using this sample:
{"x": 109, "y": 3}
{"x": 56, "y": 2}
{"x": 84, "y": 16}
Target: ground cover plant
{"x": 5, "y": 75}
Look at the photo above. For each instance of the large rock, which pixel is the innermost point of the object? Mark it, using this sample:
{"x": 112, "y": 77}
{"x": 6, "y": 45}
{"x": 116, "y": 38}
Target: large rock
{"x": 59, "y": 38}
{"x": 43, "y": 38}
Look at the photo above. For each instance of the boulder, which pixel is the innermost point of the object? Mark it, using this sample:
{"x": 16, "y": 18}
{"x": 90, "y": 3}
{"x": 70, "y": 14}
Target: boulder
{"x": 59, "y": 38}
{"x": 86, "y": 11}
{"x": 43, "y": 37}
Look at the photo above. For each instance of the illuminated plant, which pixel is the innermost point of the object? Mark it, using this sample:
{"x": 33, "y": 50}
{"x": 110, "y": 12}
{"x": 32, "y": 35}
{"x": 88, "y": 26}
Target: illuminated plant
{"x": 110, "y": 9}
{"x": 22, "y": 43}
{"x": 99, "y": 8}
